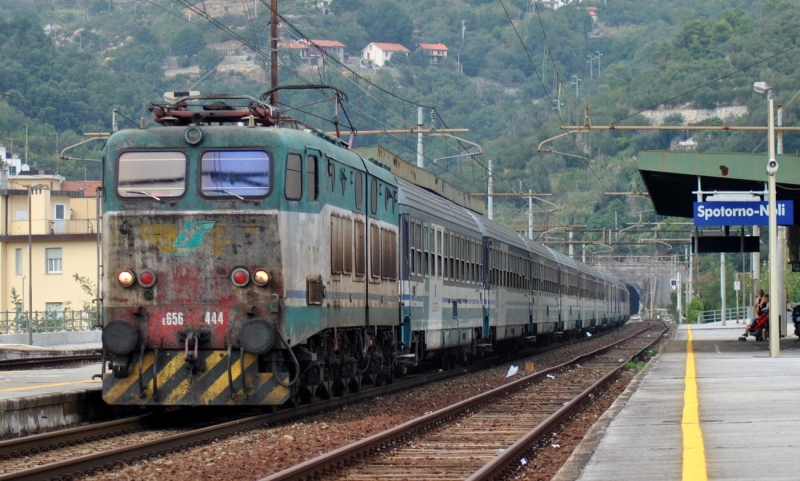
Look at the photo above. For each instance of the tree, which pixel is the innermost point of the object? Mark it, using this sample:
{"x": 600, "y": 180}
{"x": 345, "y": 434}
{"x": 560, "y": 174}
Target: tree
{"x": 387, "y": 22}
{"x": 189, "y": 41}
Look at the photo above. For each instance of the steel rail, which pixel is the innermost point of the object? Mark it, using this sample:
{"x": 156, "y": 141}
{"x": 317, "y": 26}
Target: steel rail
{"x": 8, "y": 364}
{"x": 501, "y": 465}
{"x": 341, "y": 456}
{"x": 117, "y": 458}
{"x": 66, "y": 437}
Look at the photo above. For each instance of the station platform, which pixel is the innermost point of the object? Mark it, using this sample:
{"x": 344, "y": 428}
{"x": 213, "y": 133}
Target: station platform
{"x": 708, "y": 407}
{"x": 37, "y": 400}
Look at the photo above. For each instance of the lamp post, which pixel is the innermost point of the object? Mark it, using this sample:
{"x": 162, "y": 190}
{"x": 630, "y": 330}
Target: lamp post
{"x": 32, "y": 189}
{"x": 598, "y": 62}
{"x": 772, "y": 169}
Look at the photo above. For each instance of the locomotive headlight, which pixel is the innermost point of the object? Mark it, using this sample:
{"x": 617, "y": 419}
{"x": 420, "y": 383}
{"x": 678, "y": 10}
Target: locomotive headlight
{"x": 240, "y": 277}
{"x": 193, "y": 135}
{"x": 125, "y": 278}
{"x": 261, "y": 277}
{"x": 147, "y": 278}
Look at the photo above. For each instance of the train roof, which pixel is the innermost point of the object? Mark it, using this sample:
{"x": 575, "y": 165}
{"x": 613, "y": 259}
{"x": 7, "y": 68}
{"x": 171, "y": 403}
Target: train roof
{"x": 564, "y": 259}
{"x": 539, "y": 249}
{"x": 416, "y": 197}
{"x": 494, "y": 230}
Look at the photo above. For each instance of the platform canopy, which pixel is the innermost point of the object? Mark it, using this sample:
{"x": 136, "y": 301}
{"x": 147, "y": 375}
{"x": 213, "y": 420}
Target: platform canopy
{"x": 671, "y": 177}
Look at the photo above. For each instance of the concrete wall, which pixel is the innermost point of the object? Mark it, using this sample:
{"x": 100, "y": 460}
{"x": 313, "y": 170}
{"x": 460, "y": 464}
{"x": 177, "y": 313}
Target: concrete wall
{"x": 48, "y": 339}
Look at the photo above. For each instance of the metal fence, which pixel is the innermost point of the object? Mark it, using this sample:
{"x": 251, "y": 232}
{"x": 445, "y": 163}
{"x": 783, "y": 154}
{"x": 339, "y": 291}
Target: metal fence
{"x": 732, "y": 314}
{"x": 17, "y": 322}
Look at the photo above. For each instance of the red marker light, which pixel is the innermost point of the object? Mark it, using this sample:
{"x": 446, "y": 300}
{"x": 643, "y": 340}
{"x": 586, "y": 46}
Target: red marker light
{"x": 147, "y": 278}
{"x": 240, "y": 277}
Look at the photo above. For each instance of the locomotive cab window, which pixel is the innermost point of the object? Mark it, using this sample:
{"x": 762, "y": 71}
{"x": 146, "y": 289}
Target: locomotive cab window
{"x": 151, "y": 174}
{"x": 373, "y": 196}
{"x": 293, "y": 187}
{"x": 235, "y": 173}
{"x": 312, "y": 180}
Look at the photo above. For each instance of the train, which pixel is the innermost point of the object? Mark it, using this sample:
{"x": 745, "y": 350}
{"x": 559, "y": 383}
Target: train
{"x": 248, "y": 260}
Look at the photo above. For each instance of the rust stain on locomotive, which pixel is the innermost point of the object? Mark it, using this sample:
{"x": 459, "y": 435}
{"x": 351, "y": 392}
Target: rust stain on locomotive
{"x": 193, "y": 257}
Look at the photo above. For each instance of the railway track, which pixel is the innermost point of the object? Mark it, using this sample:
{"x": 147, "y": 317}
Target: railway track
{"x": 110, "y": 459}
{"x": 485, "y": 437}
{"x": 53, "y": 361}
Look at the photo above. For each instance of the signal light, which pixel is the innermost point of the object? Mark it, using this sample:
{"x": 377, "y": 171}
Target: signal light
{"x": 240, "y": 277}
{"x": 147, "y": 278}
{"x": 125, "y": 278}
{"x": 261, "y": 277}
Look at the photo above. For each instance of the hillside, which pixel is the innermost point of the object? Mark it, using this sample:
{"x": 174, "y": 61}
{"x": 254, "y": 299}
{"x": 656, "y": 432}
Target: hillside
{"x": 632, "y": 63}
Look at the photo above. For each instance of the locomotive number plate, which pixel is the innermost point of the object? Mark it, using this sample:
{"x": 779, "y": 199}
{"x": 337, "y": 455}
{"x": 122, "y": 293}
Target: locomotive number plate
{"x": 214, "y": 318}
{"x": 173, "y": 319}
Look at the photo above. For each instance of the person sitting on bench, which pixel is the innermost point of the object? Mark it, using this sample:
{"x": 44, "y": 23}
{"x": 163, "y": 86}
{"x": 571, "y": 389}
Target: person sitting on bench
{"x": 759, "y": 323}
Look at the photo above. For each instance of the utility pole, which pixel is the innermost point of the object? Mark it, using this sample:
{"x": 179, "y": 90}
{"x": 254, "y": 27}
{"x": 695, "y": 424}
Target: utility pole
{"x": 420, "y": 157}
{"x": 273, "y": 54}
{"x": 491, "y": 191}
{"x": 458, "y": 59}
{"x": 575, "y": 83}
{"x": 530, "y": 214}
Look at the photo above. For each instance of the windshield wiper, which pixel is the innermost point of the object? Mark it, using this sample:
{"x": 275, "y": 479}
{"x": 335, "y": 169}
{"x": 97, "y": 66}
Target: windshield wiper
{"x": 228, "y": 192}
{"x": 148, "y": 194}
{"x": 231, "y": 193}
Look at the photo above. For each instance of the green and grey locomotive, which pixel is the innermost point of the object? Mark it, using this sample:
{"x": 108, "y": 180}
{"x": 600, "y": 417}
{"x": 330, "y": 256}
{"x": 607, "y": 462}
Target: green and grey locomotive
{"x": 249, "y": 260}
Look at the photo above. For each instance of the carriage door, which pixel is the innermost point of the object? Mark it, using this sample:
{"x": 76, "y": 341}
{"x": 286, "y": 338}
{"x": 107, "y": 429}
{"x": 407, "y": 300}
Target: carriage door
{"x": 486, "y": 252}
{"x": 528, "y": 266}
{"x": 373, "y": 241}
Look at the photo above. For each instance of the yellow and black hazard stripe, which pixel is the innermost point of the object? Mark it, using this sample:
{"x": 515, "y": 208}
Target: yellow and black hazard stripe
{"x": 176, "y": 384}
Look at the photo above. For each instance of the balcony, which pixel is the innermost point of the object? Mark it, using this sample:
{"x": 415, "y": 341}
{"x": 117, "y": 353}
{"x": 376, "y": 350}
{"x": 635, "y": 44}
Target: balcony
{"x": 53, "y": 226}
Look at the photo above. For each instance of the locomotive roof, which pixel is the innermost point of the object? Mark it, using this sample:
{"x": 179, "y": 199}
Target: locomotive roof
{"x": 416, "y": 197}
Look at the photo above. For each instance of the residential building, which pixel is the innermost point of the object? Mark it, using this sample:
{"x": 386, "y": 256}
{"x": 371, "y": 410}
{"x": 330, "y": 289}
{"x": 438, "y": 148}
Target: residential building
{"x": 57, "y": 220}
{"x": 314, "y": 50}
{"x": 376, "y": 54}
{"x": 436, "y": 51}
{"x": 556, "y": 4}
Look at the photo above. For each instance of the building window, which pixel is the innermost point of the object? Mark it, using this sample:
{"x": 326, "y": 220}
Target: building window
{"x": 55, "y": 310}
{"x": 53, "y": 260}
{"x": 18, "y": 262}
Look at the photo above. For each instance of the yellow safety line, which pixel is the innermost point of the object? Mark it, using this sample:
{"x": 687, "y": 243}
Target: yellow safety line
{"x": 694, "y": 456}
{"x": 40, "y": 386}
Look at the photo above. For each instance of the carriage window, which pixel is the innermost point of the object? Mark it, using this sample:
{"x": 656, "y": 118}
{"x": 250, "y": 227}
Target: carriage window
{"x": 359, "y": 190}
{"x": 152, "y": 174}
{"x": 425, "y": 249}
{"x": 311, "y": 177}
{"x": 336, "y": 245}
{"x": 347, "y": 244}
{"x": 439, "y": 254}
{"x": 375, "y": 251}
{"x": 373, "y": 196}
{"x": 293, "y": 187}
{"x": 388, "y": 254}
{"x": 361, "y": 264}
{"x": 235, "y": 173}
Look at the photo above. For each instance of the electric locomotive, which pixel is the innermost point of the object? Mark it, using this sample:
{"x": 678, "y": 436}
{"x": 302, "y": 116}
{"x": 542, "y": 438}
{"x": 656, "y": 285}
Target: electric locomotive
{"x": 248, "y": 260}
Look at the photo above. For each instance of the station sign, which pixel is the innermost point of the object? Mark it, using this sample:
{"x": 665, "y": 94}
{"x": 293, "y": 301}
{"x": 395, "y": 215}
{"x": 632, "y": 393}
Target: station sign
{"x": 741, "y": 213}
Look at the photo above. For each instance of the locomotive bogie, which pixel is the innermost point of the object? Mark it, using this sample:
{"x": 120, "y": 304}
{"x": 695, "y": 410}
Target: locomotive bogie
{"x": 161, "y": 378}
